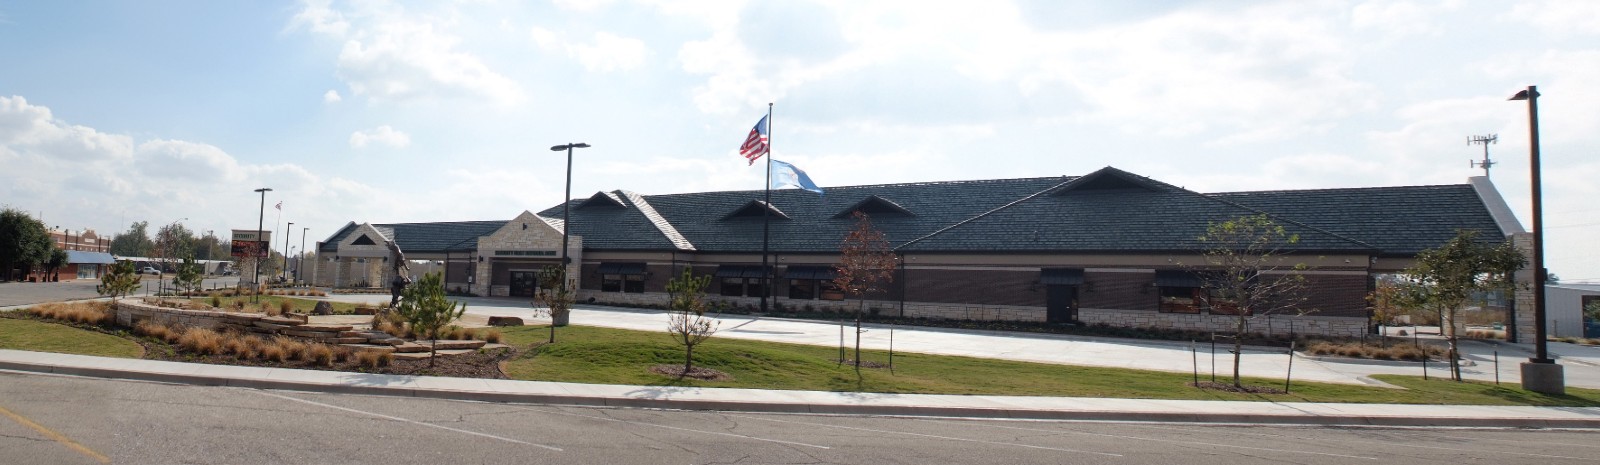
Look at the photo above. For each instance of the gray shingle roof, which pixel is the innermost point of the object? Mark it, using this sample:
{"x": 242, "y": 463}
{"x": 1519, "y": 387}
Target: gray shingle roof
{"x": 1397, "y": 220}
{"x": 424, "y": 237}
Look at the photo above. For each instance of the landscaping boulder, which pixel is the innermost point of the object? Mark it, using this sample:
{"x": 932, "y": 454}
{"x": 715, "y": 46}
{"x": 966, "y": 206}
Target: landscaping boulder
{"x": 505, "y": 321}
{"x": 322, "y": 308}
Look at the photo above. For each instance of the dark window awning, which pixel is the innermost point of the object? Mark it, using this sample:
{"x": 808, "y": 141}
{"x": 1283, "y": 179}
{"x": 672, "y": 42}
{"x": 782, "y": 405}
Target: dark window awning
{"x": 1178, "y": 278}
{"x": 1061, "y": 276}
{"x": 739, "y": 271}
{"x": 810, "y": 272}
{"x": 621, "y": 268}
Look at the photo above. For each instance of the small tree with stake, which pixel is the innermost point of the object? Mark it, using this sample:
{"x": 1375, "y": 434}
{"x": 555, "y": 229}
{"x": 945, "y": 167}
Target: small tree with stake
{"x": 424, "y": 305}
{"x": 189, "y": 275}
{"x": 1246, "y": 274}
{"x": 865, "y": 265}
{"x": 555, "y": 296}
{"x": 687, "y": 323}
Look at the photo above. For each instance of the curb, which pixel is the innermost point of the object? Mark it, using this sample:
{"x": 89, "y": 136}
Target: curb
{"x": 824, "y": 409}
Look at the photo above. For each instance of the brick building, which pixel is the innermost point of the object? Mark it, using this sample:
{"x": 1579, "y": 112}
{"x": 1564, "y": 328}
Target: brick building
{"x": 1109, "y": 246}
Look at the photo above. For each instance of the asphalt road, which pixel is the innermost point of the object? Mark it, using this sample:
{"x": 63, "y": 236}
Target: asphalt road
{"x": 55, "y": 419}
{"x": 23, "y": 293}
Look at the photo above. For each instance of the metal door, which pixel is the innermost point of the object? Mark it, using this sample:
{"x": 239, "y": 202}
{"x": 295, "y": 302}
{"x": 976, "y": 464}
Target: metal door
{"x": 1061, "y": 303}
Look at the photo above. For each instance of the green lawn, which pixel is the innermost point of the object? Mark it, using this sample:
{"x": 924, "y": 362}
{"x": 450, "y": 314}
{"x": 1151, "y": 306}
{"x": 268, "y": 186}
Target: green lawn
{"x": 39, "y": 336}
{"x": 585, "y": 354}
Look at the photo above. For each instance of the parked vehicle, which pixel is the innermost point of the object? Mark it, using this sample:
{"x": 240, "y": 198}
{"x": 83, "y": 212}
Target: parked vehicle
{"x": 150, "y": 270}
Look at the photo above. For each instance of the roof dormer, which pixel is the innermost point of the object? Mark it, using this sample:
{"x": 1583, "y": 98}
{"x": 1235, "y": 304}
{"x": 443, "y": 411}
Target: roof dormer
{"x": 755, "y": 209}
{"x": 602, "y": 199}
{"x": 1108, "y": 180}
{"x": 876, "y": 207}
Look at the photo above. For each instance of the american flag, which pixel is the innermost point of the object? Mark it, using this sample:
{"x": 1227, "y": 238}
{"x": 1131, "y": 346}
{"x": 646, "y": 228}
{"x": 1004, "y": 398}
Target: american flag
{"x": 279, "y": 205}
{"x": 756, "y": 144}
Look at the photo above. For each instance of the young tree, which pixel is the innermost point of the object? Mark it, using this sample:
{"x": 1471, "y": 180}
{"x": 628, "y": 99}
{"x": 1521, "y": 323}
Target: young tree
{"x": 189, "y": 275}
{"x": 172, "y": 243}
{"x": 24, "y": 242}
{"x": 119, "y": 280}
{"x": 1447, "y": 277}
{"x": 865, "y": 264}
{"x": 1247, "y": 274}
{"x": 688, "y": 323}
{"x": 133, "y": 243}
{"x": 556, "y": 298}
{"x": 425, "y": 306}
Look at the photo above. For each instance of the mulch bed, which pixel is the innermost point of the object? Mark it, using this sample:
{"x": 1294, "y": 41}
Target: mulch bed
{"x": 481, "y": 364}
{"x": 1231, "y": 388}
{"x": 703, "y": 374}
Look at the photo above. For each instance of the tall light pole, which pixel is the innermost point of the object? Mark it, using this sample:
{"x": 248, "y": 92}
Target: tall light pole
{"x": 261, "y": 245}
{"x": 566, "y": 209}
{"x": 1540, "y": 373}
{"x": 300, "y": 262}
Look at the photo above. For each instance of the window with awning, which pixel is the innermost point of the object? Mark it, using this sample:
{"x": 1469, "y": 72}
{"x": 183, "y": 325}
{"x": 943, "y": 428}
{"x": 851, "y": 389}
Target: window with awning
{"x": 621, "y": 276}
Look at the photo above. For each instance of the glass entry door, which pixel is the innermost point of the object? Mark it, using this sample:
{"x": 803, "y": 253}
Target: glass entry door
{"x": 524, "y": 283}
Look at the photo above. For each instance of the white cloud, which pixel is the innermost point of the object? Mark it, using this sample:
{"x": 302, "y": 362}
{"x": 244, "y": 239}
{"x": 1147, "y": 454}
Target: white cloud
{"x": 383, "y": 135}
{"x": 1398, "y": 18}
{"x": 390, "y": 54}
{"x": 1561, "y": 17}
{"x": 608, "y": 52}
{"x": 331, "y": 96}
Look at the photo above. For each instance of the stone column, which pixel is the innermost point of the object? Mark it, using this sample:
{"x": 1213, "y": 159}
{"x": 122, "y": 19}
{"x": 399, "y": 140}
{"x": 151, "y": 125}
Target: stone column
{"x": 1523, "y": 295}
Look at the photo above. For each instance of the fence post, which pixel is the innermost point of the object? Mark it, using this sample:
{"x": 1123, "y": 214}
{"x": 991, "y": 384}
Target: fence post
{"x": 1290, "y": 372}
{"x": 1194, "y": 357}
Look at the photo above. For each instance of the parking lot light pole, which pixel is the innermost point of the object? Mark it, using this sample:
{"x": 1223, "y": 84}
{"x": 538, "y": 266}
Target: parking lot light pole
{"x": 566, "y": 209}
{"x": 1540, "y": 373}
{"x": 261, "y": 218}
{"x": 300, "y": 262}
{"x": 286, "y": 237}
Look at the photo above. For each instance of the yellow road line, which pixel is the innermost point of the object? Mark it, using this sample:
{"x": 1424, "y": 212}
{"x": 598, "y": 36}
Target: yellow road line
{"x": 54, "y": 436}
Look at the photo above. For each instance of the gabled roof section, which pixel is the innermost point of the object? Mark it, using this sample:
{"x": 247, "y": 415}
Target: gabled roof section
{"x": 876, "y": 207}
{"x": 420, "y": 238}
{"x": 363, "y": 240}
{"x": 753, "y": 209}
{"x": 1110, "y": 180}
{"x": 602, "y": 199}
{"x": 661, "y": 223}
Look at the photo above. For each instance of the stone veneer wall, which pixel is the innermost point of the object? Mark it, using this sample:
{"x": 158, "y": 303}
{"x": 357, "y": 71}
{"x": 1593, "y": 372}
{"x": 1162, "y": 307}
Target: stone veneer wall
{"x": 130, "y": 313}
{"x": 1523, "y": 296}
{"x": 537, "y": 236}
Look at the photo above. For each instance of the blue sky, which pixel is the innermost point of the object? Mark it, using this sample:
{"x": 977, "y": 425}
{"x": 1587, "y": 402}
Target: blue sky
{"x": 112, "y": 112}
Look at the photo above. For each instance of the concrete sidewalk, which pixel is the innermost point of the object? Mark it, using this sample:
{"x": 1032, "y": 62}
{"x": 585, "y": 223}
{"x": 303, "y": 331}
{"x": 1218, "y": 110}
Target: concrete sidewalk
{"x": 811, "y": 402}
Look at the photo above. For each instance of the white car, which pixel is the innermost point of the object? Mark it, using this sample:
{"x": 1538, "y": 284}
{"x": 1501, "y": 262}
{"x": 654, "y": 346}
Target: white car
{"x": 150, "y": 270}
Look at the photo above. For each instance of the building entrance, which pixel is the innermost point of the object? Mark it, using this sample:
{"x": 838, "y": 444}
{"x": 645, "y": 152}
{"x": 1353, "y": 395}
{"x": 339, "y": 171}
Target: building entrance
{"x": 1061, "y": 303}
{"x": 524, "y": 283}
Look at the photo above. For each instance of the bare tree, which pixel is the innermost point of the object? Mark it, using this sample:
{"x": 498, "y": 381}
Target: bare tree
{"x": 1446, "y": 278}
{"x": 865, "y": 264}
{"x": 688, "y": 323}
{"x": 556, "y": 297}
{"x": 1247, "y": 274}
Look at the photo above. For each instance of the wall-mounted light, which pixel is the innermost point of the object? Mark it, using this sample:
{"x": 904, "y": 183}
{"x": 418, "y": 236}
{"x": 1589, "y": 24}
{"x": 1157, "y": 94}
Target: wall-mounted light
{"x": 480, "y": 259}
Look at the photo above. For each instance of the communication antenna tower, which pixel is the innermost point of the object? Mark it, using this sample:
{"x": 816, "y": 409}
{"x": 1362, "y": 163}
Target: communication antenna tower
{"x": 1484, "y": 141}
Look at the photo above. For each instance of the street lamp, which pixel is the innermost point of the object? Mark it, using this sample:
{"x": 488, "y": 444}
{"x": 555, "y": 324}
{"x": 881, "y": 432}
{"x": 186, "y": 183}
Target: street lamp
{"x": 261, "y": 218}
{"x": 566, "y": 209}
{"x": 300, "y": 262}
{"x": 1540, "y": 373}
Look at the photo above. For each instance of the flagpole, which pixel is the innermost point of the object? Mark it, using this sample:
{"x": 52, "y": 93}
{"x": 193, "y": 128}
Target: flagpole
{"x": 766, "y": 220}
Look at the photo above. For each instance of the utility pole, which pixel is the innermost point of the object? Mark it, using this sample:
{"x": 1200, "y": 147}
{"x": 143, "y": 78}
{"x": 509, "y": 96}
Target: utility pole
{"x": 1484, "y": 141}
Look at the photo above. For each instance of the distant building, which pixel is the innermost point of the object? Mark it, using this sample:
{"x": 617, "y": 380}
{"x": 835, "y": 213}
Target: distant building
{"x": 1107, "y": 247}
{"x": 1563, "y": 307}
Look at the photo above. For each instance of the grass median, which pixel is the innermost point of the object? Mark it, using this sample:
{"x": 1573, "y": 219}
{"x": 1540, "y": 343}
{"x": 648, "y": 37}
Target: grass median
{"x": 39, "y": 336}
{"x": 584, "y": 354}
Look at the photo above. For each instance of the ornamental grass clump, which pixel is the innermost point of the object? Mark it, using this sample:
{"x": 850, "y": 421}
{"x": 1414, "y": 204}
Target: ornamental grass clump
{"x": 492, "y": 336}
{"x": 89, "y": 313}
{"x": 374, "y": 359}
{"x": 320, "y": 355}
{"x": 200, "y": 341}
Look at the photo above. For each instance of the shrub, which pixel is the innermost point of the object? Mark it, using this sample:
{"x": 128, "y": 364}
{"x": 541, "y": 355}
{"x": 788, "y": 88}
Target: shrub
{"x": 492, "y": 336}
{"x": 200, "y": 341}
{"x": 469, "y": 334}
{"x": 374, "y": 359}
{"x": 216, "y": 302}
{"x": 286, "y": 307}
{"x": 320, "y": 354}
{"x": 239, "y": 347}
{"x": 292, "y": 349}
{"x": 155, "y": 331}
{"x": 273, "y": 352}
{"x": 342, "y": 354}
